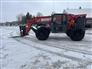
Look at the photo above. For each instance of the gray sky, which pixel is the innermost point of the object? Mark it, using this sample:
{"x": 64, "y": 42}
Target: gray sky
{"x": 9, "y": 9}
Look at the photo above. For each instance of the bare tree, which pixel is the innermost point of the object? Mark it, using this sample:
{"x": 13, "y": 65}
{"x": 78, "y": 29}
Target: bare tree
{"x": 53, "y": 12}
{"x": 19, "y": 16}
{"x": 80, "y": 7}
{"x": 64, "y": 11}
{"x": 39, "y": 14}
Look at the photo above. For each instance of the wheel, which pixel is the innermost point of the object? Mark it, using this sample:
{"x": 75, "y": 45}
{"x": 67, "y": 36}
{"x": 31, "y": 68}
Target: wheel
{"x": 42, "y": 33}
{"x": 77, "y": 34}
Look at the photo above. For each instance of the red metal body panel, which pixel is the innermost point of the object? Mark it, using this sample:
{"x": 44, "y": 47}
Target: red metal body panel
{"x": 71, "y": 20}
{"x": 47, "y": 20}
{"x": 37, "y": 20}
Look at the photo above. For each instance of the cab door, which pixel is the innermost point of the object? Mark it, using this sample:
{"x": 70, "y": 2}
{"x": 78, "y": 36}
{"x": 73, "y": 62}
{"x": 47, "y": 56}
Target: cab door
{"x": 59, "y": 23}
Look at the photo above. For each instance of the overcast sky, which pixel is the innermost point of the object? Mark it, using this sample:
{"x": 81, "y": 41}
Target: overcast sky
{"x": 9, "y": 9}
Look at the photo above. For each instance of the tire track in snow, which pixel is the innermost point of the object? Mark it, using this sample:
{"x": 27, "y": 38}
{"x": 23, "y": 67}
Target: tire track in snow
{"x": 60, "y": 46}
{"x": 49, "y": 51}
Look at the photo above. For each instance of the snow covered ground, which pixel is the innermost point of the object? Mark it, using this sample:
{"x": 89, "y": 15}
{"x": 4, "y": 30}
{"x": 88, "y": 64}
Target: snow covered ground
{"x": 58, "y": 52}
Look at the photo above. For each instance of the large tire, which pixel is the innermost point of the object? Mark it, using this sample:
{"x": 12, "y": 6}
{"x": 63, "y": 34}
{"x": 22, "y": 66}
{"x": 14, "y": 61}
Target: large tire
{"x": 42, "y": 33}
{"x": 77, "y": 35}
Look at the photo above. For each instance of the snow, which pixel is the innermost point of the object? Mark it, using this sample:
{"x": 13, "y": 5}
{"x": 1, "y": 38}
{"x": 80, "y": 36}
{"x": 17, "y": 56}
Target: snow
{"x": 58, "y": 52}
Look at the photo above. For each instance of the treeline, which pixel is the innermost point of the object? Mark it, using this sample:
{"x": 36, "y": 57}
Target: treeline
{"x": 13, "y": 23}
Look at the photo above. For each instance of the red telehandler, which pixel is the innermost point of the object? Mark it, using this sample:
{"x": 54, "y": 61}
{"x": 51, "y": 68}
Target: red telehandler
{"x": 72, "y": 25}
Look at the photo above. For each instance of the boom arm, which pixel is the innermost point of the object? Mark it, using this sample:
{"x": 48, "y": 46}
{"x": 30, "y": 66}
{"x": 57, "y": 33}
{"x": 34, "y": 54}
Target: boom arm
{"x": 28, "y": 22}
